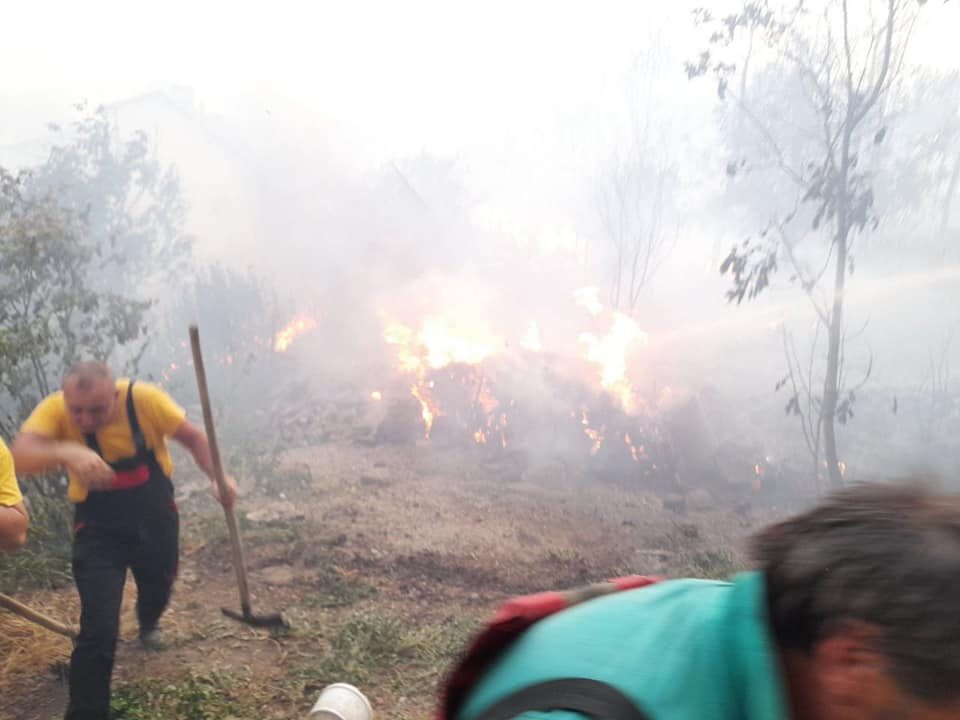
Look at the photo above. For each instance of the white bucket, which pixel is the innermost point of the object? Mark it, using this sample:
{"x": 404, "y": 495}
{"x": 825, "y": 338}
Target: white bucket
{"x": 341, "y": 702}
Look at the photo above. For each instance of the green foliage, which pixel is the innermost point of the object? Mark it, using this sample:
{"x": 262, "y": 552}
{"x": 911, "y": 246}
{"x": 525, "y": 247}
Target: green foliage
{"x": 45, "y": 560}
{"x": 49, "y": 313}
{"x": 366, "y": 643}
{"x": 195, "y": 697}
{"x": 816, "y": 112}
{"x": 383, "y": 650}
{"x": 132, "y": 206}
{"x": 81, "y": 235}
{"x": 239, "y": 317}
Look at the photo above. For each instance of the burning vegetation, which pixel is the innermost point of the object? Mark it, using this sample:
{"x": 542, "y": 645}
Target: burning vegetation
{"x": 522, "y": 396}
{"x": 457, "y": 384}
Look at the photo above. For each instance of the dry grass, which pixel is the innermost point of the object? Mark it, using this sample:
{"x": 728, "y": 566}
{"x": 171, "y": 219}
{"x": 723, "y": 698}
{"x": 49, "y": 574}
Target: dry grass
{"x": 389, "y": 579}
{"x": 28, "y": 649}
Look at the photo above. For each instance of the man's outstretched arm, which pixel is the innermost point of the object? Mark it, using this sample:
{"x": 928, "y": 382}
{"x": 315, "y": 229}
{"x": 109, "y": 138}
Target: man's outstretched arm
{"x": 195, "y": 440}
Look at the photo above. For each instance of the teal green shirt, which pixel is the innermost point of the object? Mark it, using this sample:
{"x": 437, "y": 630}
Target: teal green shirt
{"x": 681, "y": 650}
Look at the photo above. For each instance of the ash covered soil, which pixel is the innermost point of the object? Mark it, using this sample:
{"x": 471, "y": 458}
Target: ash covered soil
{"x": 384, "y": 560}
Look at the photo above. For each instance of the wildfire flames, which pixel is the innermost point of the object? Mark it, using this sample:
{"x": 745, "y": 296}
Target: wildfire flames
{"x": 596, "y": 436}
{"x": 610, "y": 353}
{"x": 297, "y": 327}
{"x": 453, "y": 370}
{"x": 280, "y": 343}
{"x": 435, "y": 347}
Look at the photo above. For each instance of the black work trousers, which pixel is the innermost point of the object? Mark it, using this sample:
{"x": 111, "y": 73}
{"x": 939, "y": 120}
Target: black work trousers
{"x": 149, "y": 547}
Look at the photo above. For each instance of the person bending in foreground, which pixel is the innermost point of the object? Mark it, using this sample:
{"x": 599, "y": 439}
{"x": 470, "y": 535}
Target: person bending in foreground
{"x": 111, "y": 437}
{"x": 14, "y": 518}
{"x": 853, "y": 613}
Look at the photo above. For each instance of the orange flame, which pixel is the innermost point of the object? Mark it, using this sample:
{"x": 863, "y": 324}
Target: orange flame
{"x": 595, "y": 436}
{"x": 442, "y": 341}
{"x": 427, "y": 411}
{"x": 297, "y": 327}
{"x": 434, "y": 347}
{"x": 610, "y": 353}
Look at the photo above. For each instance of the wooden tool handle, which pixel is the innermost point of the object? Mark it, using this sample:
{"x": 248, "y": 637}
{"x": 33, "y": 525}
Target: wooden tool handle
{"x": 18, "y": 608}
{"x": 238, "y": 561}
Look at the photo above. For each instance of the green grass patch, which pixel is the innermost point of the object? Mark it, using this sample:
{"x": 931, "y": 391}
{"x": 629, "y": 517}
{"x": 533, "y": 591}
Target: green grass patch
{"x": 194, "y": 697}
{"x": 338, "y": 588}
{"x": 374, "y": 650}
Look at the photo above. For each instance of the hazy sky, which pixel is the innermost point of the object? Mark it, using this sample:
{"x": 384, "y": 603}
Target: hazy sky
{"x": 526, "y": 96}
{"x": 381, "y": 79}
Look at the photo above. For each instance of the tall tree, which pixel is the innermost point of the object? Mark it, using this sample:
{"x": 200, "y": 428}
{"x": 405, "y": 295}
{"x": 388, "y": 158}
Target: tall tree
{"x": 84, "y": 239}
{"x": 845, "y": 56}
{"x": 132, "y": 207}
{"x": 636, "y": 193}
{"x": 50, "y": 316}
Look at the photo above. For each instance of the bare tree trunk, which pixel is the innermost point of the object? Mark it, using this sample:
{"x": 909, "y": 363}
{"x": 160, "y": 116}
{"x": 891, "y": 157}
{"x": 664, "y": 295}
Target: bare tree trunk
{"x": 858, "y": 105}
{"x": 831, "y": 382}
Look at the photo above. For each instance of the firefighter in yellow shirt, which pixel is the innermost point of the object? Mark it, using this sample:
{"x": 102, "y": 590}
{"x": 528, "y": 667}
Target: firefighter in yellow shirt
{"x": 13, "y": 513}
{"x": 111, "y": 437}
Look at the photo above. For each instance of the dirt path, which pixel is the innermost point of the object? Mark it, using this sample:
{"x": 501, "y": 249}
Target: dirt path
{"x": 384, "y": 559}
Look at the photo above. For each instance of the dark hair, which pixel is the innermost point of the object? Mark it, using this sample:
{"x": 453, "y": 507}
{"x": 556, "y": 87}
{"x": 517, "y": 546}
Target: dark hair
{"x": 883, "y": 554}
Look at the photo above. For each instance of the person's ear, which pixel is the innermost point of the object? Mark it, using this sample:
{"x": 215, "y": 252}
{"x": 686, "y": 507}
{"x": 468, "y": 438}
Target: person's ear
{"x": 852, "y": 672}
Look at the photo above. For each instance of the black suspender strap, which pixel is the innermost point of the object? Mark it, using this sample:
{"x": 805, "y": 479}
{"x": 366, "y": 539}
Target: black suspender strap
{"x": 139, "y": 441}
{"x": 91, "y": 440}
{"x": 589, "y": 697}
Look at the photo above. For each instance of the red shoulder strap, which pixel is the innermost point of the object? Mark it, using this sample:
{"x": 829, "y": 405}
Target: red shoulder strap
{"x": 511, "y": 620}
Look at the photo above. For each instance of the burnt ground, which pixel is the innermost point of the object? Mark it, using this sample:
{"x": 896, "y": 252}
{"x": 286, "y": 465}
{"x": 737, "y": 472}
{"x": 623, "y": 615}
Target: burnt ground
{"x": 384, "y": 559}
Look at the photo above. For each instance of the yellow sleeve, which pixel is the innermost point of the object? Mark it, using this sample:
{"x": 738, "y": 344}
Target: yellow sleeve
{"x": 161, "y": 410}
{"x": 48, "y": 418}
{"x": 9, "y": 490}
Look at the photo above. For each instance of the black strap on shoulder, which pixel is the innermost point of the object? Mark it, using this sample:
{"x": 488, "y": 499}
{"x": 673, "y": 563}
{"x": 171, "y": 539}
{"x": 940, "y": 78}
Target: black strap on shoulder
{"x": 589, "y": 697}
{"x": 139, "y": 441}
{"x": 92, "y": 443}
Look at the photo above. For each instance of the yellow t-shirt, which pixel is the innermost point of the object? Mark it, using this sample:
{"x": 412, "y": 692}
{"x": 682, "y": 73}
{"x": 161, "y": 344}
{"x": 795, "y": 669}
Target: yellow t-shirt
{"x": 157, "y": 412}
{"x": 9, "y": 490}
